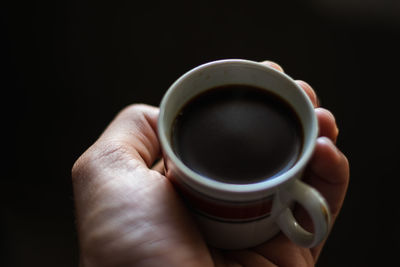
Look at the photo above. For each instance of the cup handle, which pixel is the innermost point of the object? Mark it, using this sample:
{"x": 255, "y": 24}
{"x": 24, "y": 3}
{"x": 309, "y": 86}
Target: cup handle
{"x": 314, "y": 204}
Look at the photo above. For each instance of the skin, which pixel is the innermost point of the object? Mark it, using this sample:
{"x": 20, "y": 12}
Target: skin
{"x": 128, "y": 213}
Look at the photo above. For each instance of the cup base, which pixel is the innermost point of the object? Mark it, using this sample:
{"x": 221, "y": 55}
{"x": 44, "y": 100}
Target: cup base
{"x": 236, "y": 235}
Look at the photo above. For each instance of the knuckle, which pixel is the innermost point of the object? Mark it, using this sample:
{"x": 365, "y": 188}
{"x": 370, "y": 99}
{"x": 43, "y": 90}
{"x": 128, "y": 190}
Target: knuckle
{"x": 81, "y": 166}
{"x": 111, "y": 153}
{"x": 97, "y": 157}
{"x": 77, "y": 168}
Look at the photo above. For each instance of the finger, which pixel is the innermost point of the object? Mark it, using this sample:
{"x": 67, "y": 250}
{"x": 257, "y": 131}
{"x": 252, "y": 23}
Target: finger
{"x": 272, "y": 250}
{"x": 273, "y": 65}
{"x": 327, "y": 124}
{"x": 329, "y": 168}
{"x": 328, "y": 173}
{"x": 309, "y": 91}
{"x": 135, "y": 128}
{"x": 129, "y": 141}
{"x": 247, "y": 258}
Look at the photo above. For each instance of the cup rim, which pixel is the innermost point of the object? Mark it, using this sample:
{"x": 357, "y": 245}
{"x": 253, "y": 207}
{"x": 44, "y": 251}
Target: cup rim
{"x": 205, "y": 184}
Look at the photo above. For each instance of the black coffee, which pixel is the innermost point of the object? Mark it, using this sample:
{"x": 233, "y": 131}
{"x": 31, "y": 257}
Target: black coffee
{"x": 237, "y": 134}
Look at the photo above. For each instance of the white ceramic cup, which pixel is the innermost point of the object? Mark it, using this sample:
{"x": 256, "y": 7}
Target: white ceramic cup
{"x": 237, "y": 216}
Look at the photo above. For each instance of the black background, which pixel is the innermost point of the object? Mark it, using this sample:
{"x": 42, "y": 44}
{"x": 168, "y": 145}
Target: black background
{"x": 69, "y": 66}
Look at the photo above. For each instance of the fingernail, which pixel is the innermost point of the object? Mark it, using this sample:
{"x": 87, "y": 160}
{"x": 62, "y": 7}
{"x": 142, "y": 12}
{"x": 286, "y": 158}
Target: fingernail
{"x": 336, "y": 136}
{"x": 318, "y": 101}
{"x": 273, "y": 65}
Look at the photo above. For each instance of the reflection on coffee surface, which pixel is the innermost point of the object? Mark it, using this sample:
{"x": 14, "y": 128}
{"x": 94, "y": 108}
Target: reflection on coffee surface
{"x": 237, "y": 134}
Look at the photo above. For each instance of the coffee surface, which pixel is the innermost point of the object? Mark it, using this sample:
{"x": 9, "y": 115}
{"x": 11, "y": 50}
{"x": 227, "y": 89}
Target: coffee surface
{"x": 237, "y": 134}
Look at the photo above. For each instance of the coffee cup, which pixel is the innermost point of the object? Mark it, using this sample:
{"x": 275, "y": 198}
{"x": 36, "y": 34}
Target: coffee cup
{"x": 236, "y": 136}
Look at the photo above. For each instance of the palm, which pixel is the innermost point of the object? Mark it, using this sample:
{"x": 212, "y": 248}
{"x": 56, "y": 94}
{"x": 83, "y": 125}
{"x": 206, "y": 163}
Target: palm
{"x": 134, "y": 222}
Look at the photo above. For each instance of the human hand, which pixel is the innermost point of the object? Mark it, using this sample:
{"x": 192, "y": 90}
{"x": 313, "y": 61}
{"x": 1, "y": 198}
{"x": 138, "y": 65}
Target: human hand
{"x": 128, "y": 213}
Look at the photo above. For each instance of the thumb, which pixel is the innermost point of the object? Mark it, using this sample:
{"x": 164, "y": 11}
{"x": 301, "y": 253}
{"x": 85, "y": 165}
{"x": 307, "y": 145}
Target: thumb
{"x": 109, "y": 168}
{"x": 129, "y": 141}
{"x": 134, "y": 128}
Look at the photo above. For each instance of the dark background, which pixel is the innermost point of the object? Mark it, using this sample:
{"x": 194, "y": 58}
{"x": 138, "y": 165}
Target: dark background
{"x": 69, "y": 66}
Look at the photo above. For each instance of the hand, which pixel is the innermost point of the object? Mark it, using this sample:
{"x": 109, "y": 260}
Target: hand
{"x": 128, "y": 213}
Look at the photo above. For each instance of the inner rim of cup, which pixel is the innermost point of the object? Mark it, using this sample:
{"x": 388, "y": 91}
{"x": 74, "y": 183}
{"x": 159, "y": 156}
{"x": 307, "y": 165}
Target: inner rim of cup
{"x": 236, "y": 71}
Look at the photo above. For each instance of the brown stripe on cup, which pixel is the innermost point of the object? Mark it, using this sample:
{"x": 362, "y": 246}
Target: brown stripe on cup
{"x": 225, "y": 210}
